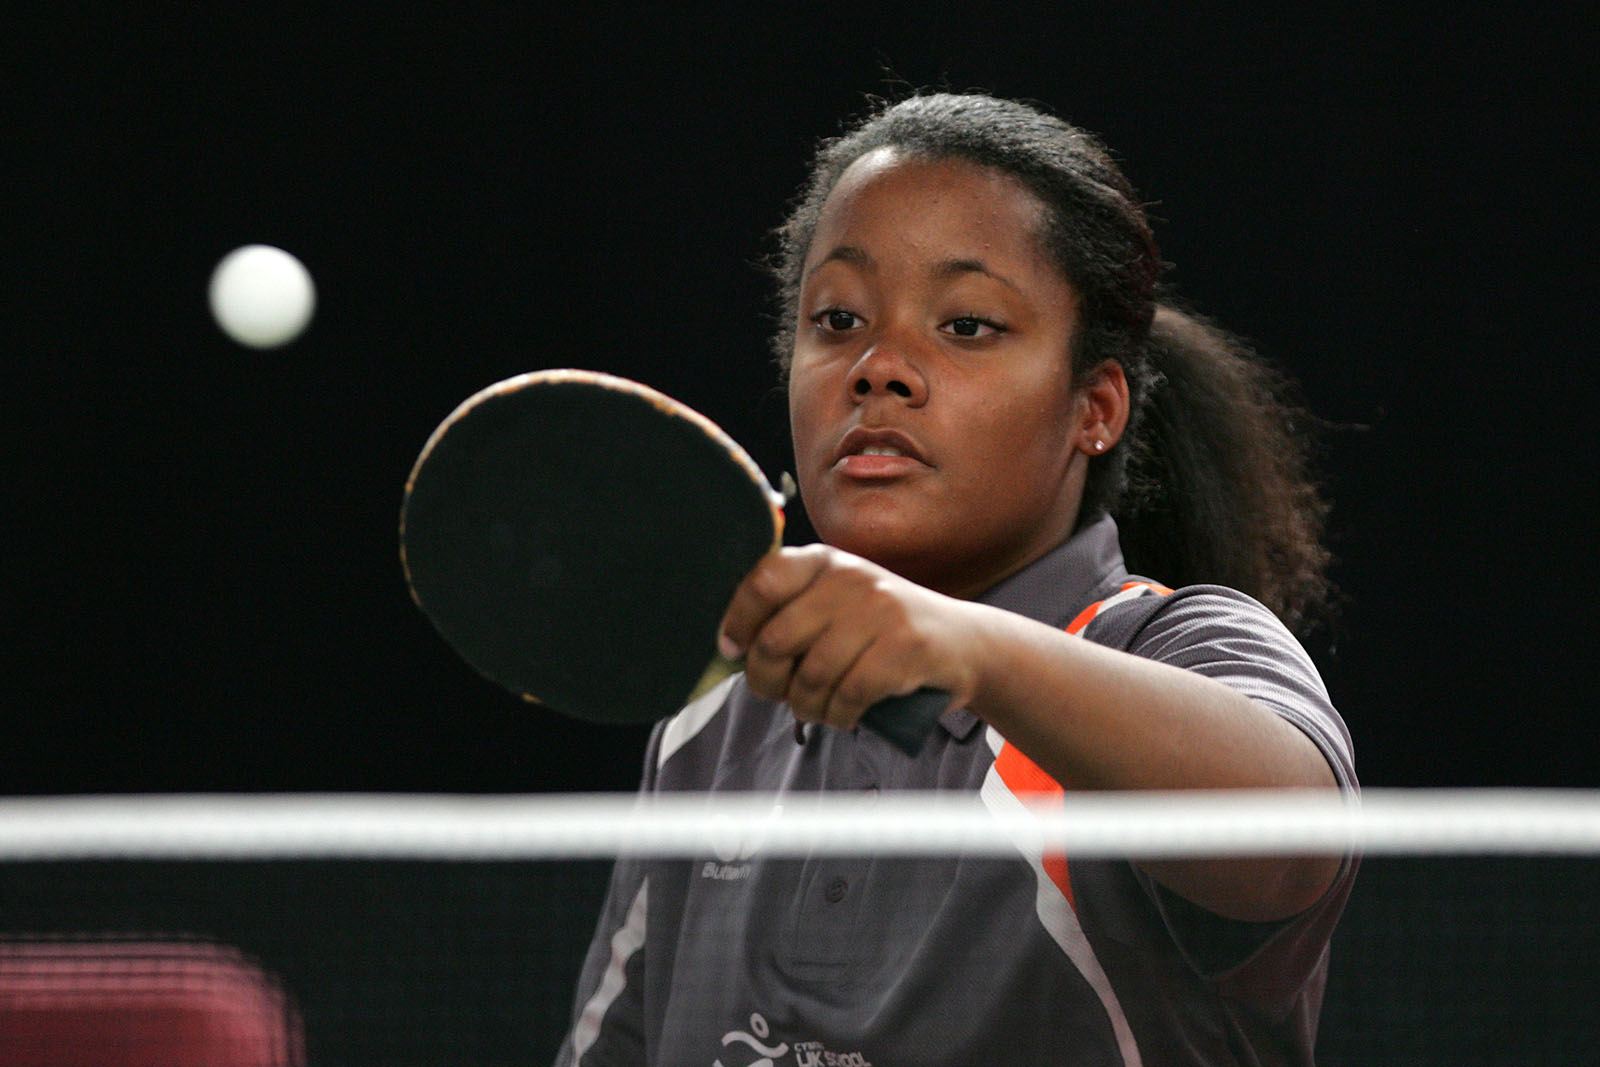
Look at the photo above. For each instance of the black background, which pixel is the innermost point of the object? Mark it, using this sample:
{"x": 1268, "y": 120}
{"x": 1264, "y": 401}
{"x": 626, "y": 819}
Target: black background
{"x": 201, "y": 588}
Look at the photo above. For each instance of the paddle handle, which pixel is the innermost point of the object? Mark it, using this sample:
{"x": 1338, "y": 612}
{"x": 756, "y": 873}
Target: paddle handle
{"x": 906, "y": 722}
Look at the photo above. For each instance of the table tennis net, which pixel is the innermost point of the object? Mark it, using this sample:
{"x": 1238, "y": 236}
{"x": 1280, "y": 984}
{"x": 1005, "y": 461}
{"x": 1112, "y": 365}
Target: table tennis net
{"x": 422, "y": 929}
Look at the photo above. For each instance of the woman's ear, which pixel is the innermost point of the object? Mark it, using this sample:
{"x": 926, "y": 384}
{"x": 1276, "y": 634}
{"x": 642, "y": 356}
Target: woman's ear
{"x": 1105, "y": 406}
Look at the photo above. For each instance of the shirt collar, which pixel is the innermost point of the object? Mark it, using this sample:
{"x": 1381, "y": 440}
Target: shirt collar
{"x": 1054, "y": 588}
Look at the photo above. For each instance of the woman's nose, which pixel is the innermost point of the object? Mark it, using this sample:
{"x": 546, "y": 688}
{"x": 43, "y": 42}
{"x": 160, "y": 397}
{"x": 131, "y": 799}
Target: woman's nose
{"x": 889, "y": 367}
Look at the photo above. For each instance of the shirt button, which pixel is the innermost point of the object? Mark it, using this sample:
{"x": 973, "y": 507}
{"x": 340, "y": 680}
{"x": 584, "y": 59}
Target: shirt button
{"x": 836, "y": 890}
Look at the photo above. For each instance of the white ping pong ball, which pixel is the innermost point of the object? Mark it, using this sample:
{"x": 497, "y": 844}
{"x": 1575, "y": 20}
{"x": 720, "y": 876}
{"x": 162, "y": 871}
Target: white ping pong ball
{"x": 261, "y": 296}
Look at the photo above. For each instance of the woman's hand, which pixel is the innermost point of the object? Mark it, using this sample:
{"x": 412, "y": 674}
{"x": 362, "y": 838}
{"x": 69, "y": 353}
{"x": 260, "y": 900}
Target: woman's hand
{"x": 831, "y": 634}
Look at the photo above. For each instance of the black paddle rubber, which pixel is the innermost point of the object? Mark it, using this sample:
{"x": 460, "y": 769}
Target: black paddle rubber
{"x": 554, "y": 538}
{"x": 577, "y": 537}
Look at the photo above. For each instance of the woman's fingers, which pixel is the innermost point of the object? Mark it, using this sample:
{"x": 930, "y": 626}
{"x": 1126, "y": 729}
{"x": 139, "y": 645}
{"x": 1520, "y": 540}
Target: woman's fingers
{"x": 775, "y": 581}
{"x": 831, "y": 635}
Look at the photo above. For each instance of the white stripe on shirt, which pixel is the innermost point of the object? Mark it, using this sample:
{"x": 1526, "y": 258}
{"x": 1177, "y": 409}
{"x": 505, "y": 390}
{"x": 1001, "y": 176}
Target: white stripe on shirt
{"x": 628, "y": 939}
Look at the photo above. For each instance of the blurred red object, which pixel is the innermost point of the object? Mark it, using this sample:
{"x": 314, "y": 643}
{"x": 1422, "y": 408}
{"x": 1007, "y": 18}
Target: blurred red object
{"x": 124, "y": 1003}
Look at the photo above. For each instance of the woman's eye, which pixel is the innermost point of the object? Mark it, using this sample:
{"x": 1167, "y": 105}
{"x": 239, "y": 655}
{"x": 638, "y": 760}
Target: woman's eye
{"x": 836, "y": 319}
{"x": 971, "y": 326}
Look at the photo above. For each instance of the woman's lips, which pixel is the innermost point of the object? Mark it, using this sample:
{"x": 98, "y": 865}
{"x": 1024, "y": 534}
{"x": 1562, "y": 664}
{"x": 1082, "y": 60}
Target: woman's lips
{"x": 871, "y": 466}
{"x": 877, "y": 454}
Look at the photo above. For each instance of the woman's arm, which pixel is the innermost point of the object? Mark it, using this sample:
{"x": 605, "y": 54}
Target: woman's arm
{"x": 1096, "y": 718}
{"x": 831, "y": 634}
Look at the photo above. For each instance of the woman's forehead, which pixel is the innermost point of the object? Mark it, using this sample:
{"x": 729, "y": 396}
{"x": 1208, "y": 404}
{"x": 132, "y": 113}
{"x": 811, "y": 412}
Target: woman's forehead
{"x": 927, "y": 177}
{"x": 945, "y": 207}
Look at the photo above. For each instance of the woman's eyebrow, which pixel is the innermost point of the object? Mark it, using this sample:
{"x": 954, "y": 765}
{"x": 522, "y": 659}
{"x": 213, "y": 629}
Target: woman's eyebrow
{"x": 943, "y": 270}
{"x": 951, "y": 268}
{"x": 850, "y": 254}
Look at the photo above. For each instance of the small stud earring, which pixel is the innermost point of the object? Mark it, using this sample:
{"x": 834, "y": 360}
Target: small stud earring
{"x": 1099, "y": 446}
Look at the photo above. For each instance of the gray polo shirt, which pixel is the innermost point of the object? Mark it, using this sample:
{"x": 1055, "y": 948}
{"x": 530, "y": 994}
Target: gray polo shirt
{"x": 735, "y": 959}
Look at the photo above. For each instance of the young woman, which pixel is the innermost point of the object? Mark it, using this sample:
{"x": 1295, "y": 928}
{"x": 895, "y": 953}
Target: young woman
{"x": 988, "y": 406}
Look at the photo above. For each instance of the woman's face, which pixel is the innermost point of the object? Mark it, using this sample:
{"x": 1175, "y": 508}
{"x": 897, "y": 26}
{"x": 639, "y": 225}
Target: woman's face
{"x": 936, "y": 427}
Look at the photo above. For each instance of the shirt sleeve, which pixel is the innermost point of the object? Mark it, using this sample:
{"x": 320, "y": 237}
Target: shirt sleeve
{"x": 1227, "y": 636}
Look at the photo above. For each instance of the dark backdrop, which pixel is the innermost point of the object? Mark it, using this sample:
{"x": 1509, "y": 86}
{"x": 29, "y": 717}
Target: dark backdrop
{"x": 201, "y": 585}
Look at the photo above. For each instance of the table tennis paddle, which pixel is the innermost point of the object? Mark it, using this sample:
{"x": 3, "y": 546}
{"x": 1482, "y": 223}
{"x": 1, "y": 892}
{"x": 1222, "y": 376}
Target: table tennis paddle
{"x": 577, "y": 537}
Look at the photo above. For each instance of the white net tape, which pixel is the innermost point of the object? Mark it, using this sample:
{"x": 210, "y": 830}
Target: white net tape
{"x": 573, "y": 826}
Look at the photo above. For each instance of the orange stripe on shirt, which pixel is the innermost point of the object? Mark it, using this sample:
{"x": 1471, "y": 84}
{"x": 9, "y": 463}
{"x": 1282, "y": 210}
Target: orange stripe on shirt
{"x": 1027, "y": 780}
{"x": 1086, "y": 616}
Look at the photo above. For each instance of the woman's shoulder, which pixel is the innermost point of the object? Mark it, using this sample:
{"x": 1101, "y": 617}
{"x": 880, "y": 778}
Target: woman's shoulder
{"x": 1234, "y": 639}
{"x": 1144, "y": 611}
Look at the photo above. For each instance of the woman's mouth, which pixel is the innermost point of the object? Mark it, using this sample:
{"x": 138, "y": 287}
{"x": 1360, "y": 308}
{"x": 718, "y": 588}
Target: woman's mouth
{"x": 872, "y": 454}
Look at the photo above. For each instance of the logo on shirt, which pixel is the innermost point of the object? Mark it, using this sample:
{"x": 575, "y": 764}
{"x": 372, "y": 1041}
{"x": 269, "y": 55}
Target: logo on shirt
{"x": 812, "y": 1054}
{"x": 734, "y": 849}
{"x": 739, "y": 1046}
{"x": 745, "y": 1043}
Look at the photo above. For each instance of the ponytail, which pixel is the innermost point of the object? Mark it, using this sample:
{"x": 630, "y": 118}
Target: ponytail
{"x": 1218, "y": 488}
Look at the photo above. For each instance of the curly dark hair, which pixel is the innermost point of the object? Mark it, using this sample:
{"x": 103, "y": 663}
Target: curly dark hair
{"x": 1211, "y": 482}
